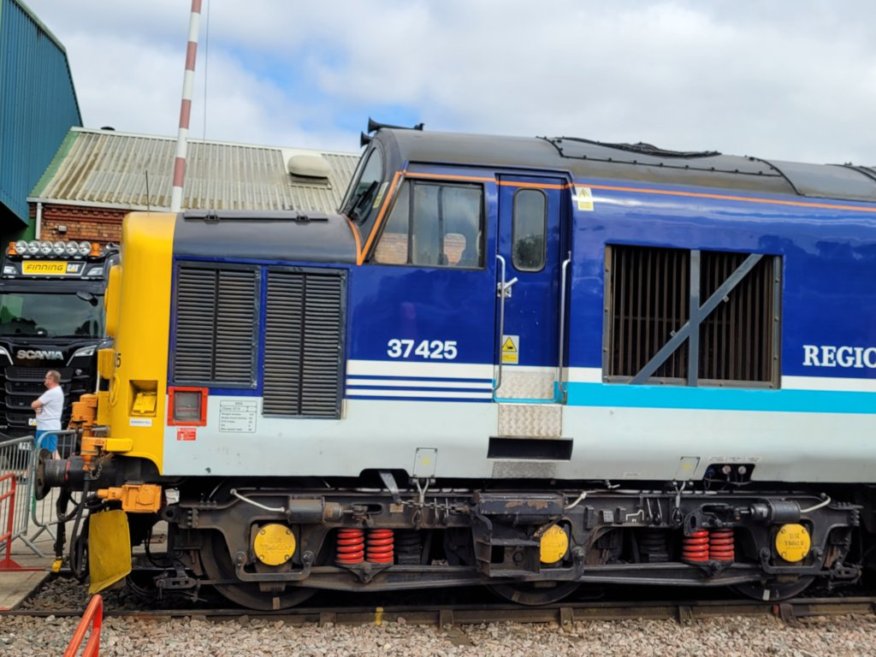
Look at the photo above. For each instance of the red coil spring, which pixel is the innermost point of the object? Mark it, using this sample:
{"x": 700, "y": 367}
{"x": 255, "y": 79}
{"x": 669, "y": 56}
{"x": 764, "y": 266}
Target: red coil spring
{"x": 380, "y": 546}
{"x": 695, "y": 548}
{"x": 351, "y": 546}
{"x": 721, "y": 545}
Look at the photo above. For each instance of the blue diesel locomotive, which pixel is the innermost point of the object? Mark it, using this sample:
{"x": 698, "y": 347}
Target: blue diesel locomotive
{"x": 526, "y": 363}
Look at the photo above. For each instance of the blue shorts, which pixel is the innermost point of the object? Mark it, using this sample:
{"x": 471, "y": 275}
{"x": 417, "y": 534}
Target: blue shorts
{"x": 49, "y": 442}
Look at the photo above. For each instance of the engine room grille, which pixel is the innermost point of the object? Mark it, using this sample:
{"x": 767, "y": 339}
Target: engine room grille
{"x": 216, "y": 326}
{"x": 304, "y": 329}
{"x": 648, "y": 301}
{"x": 736, "y": 341}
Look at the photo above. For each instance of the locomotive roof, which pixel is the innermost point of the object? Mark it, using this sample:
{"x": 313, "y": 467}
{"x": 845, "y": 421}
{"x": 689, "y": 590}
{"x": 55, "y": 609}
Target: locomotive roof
{"x": 271, "y": 235}
{"x": 585, "y": 158}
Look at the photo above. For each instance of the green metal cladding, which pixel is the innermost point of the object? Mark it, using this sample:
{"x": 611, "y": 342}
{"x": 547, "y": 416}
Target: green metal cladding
{"x": 37, "y": 106}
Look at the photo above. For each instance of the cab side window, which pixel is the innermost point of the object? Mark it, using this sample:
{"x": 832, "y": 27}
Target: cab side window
{"x": 529, "y": 230}
{"x": 434, "y": 225}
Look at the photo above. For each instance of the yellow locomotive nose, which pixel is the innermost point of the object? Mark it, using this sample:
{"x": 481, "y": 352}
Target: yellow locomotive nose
{"x": 274, "y": 544}
{"x": 793, "y": 542}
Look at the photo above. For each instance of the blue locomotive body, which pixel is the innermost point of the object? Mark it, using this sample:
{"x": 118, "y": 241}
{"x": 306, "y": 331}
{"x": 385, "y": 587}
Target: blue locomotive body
{"x": 530, "y": 362}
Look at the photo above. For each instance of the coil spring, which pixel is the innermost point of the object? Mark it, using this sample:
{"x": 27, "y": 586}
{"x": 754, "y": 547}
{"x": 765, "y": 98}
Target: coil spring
{"x": 351, "y": 546}
{"x": 380, "y": 546}
{"x": 695, "y": 548}
{"x": 721, "y": 545}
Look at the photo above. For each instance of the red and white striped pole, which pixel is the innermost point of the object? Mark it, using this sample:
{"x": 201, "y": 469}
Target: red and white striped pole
{"x": 185, "y": 112}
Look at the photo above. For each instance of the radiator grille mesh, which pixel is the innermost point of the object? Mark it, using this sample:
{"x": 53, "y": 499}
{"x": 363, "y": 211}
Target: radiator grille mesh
{"x": 304, "y": 343}
{"x": 216, "y": 324}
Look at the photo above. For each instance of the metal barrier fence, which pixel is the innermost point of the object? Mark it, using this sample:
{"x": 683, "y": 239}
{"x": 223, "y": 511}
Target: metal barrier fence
{"x": 26, "y": 519}
{"x": 8, "y": 485}
{"x": 16, "y": 466}
{"x": 93, "y": 619}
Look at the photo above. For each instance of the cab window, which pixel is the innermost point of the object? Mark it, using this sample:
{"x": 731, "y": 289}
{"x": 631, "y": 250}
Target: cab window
{"x": 365, "y": 192}
{"x": 529, "y": 228}
{"x": 434, "y": 225}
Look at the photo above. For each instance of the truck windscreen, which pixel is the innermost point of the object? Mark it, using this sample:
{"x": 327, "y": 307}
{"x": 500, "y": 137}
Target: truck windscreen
{"x": 50, "y": 315}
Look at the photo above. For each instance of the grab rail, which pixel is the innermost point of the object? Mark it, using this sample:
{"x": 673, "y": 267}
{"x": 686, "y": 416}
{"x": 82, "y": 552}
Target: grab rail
{"x": 558, "y": 393}
{"x": 500, "y": 291}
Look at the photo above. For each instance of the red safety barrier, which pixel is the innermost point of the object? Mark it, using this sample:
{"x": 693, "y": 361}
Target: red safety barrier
{"x": 7, "y": 563}
{"x": 93, "y": 616}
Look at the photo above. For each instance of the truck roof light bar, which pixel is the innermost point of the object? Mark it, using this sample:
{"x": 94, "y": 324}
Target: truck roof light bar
{"x": 46, "y": 249}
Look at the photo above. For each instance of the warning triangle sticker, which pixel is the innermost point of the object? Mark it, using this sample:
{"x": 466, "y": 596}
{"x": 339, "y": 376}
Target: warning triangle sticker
{"x": 509, "y": 347}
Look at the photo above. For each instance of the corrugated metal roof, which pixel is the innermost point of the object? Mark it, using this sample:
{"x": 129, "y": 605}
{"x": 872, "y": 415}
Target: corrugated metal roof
{"x": 113, "y": 169}
{"x": 37, "y": 102}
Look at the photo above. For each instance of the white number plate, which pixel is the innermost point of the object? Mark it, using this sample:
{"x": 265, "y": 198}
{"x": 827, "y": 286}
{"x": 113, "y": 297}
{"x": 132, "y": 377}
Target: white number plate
{"x": 424, "y": 349}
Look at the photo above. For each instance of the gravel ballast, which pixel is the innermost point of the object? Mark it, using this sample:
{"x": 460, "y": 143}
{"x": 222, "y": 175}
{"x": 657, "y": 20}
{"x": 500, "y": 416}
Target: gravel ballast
{"x": 727, "y": 637}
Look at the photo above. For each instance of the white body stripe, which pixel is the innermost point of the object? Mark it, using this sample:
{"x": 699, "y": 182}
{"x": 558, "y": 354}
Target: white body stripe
{"x": 828, "y": 383}
{"x": 417, "y": 383}
{"x": 419, "y": 369}
{"x": 584, "y": 374}
{"x": 444, "y": 393}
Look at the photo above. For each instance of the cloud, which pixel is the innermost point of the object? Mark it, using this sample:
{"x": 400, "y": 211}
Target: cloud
{"x": 790, "y": 80}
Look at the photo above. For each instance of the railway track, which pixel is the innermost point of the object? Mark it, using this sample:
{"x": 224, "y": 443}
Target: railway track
{"x": 443, "y": 616}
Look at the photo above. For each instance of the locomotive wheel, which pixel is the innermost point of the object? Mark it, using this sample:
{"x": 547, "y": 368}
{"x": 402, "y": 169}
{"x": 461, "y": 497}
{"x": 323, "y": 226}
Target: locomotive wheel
{"x": 217, "y": 565}
{"x": 534, "y": 594}
{"x": 774, "y": 590}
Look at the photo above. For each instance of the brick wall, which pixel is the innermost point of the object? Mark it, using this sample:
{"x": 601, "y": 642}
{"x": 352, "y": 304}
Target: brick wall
{"x": 82, "y": 223}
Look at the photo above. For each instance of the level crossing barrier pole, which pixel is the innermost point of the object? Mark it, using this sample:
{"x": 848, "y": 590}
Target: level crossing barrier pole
{"x": 93, "y": 617}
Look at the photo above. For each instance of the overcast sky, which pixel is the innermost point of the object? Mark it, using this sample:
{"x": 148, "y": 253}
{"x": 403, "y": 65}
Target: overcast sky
{"x": 785, "y": 79}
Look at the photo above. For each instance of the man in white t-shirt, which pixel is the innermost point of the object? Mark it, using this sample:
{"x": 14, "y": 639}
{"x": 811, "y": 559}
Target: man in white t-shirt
{"x": 48, "y": 409}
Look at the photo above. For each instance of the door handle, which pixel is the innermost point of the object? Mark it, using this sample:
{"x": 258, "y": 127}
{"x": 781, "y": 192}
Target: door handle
{"x": 503, "y": 288}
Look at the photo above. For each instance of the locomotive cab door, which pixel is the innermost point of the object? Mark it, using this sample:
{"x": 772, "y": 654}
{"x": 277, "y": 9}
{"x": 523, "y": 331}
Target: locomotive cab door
{"x": 529, "y": 263}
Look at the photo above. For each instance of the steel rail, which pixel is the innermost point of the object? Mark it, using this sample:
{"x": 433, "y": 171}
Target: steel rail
{"x": 563, "y": 614}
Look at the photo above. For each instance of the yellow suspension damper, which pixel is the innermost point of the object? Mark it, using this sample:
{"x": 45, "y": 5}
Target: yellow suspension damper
{"x": 135, "y": 498}
{"x": 793, "y": 542}
{"x": 274, "y": 544}
{"x": 553, "y": 545}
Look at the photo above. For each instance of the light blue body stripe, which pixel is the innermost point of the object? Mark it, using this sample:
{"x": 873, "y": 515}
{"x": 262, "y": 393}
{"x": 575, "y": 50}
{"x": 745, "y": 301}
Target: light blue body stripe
{"x": 721, "y": 399}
